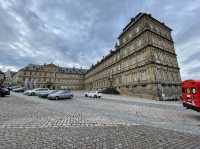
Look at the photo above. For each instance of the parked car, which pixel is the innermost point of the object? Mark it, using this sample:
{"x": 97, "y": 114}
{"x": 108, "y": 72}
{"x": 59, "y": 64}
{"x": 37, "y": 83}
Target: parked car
{"x": 14, "y": 87}
{"x": 93, "y": 94}
{"x": 61, "y": 95}
{"x": 19, "y": 90}
{"x": 45, "y": 94}
{"x": 4, "y": 91}
{"x": 113, "y": 91}
{"x": 36, "y": 91}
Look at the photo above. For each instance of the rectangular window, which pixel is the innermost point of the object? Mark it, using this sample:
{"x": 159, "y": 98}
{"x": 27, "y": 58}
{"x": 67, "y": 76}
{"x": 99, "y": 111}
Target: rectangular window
{"x": 194, "y": 91}
{"x": 188, "y": 91}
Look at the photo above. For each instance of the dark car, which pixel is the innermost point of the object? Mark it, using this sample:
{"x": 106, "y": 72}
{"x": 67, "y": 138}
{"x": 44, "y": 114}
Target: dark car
{"x": 61, "y": 95}
{"x": 4, "y": 91}
{"x": 45, "y": 94}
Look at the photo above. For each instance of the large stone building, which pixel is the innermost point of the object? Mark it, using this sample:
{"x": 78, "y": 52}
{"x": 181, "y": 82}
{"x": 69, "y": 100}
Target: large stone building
{"x": 50, "y": 76}
{"x": 143, "y": 63}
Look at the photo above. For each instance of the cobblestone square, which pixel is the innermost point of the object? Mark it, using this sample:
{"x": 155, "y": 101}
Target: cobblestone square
{"x": 117, "y": 122}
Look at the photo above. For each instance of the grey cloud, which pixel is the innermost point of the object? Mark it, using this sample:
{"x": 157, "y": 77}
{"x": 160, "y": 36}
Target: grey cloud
{"x": 81, "y": 32}
{"x": 8, "y": 31}
{"x": 194, "y": 70}
{"x": 192, "y": 57}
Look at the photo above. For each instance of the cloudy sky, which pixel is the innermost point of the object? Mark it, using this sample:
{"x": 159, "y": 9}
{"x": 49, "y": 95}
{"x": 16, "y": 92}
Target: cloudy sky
{"x": 79, "y": 32}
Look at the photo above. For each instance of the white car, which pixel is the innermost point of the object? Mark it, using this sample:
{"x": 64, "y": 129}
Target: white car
{"x": 35, "y": 92}
{"x": 93, "y": 94}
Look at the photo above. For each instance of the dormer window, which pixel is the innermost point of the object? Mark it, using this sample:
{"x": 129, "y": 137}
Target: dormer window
{"x": 118, "y": 43}
{"x": 137, "y": 29}
{"x": 130, "y": 35}
{"x": 157, "y": 30}
{"x": 124, "y": 40}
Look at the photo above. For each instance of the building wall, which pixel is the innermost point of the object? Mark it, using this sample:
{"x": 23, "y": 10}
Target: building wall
{"x": 143, "y": 64}
{"x": 49, "y": 77}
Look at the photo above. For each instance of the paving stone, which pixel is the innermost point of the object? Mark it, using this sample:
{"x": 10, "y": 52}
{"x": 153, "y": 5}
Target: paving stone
{"x": 31, "y": 122}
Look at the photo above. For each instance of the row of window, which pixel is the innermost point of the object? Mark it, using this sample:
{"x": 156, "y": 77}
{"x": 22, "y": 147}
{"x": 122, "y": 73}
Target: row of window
{"x": 123, "y": 65}
{"x": 52, "y": 80}
{"x": 130, "y": 35}
{"x": 157, "y": 41}
{"x": 123, "y": 53}
{"x": 159, "y": 30}
{"x": 46, "y": 74}
{"x": 153, "y": 27}
{"x": 143, "y": 75}
{"x": 166, "y": 59}
{"x": 125, "y": 79}
{"x": 72, "y": 87}
{"x": 165, "y": 75}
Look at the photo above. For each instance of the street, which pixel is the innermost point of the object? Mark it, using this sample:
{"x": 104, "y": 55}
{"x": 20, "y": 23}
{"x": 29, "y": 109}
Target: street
{"x": 110, "y": 122}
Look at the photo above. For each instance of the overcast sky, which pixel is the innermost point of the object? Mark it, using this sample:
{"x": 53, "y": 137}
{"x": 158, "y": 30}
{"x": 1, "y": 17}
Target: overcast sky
{"x": 80, "y": 32}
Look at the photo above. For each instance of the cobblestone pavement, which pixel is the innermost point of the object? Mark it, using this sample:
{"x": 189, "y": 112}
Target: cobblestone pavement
{"x": 111, "y": 122}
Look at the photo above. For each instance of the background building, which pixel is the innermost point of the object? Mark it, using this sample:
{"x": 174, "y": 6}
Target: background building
{"x": 143, "y": 63}
{"x": 2, "y": 77}
{"x": 9, "y": 75}
{"x": 50, "y": 76}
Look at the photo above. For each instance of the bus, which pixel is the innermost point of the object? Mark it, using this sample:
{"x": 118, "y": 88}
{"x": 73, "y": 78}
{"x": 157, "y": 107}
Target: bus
{"x": 191, "y": 94}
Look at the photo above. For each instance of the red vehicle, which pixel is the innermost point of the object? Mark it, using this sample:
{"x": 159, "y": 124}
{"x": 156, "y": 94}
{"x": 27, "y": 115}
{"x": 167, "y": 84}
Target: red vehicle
{"x": 191, "y": 94}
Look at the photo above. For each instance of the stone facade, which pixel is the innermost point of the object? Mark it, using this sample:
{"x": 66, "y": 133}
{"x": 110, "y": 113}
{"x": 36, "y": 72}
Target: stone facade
{"x": 143, "y": 63}
{"x": 50, "y": 76}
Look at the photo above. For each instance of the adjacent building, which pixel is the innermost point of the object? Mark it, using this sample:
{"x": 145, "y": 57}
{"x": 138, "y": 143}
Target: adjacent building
{"x": 2, "y": 77}
{"x": 9, "y": 75}
{"x": 143, "y": 63}
{"x": 50, "y": 76}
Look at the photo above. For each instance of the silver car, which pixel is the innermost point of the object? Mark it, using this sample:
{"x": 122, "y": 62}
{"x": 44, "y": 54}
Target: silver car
{"x": 35, "y": 91}
{"x": 61, "y": 95}
{"x": 45, "y": 94}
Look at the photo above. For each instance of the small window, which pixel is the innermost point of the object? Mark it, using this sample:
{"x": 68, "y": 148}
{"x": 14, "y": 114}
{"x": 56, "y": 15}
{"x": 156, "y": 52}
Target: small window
{"x": 137, "y": 29}
{"x": 194, "y": 90}
{"x": 188, "y": 91}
